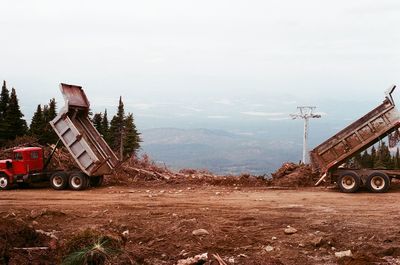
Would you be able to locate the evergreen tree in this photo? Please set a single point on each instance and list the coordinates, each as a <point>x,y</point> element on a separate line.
<point>45,113</point>
<point>106,127</point>
<point>49,113</point>
<point>37,124</point>
<point>386,156</point>
<point>396,162</point>
<point>97,119</point>
<point>14,118</point>
<point>123,134</point>
<point>132,137</point>
<point>117,129</point>
<point>40,125</point>
<point>383,158</point>
<point>366,160</point>
<point>52,110</point>
<point>4,101</point>
<point>373,156</point>
<point>357,161</point>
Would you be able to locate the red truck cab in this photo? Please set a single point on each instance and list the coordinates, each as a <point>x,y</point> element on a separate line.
<point>25,161</point>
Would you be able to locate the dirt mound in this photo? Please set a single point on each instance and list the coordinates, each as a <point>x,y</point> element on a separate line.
<point>20,243</point>
<point>138,169</point>
<point>145,171</point>
<point>294,175</point>
<point>205,178</point>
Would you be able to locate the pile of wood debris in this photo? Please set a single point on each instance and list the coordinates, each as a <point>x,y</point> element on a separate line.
<point>135,169</point>
<point>294,175</point>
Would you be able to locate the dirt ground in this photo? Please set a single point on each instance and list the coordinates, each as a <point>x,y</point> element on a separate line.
<point>245,225</point>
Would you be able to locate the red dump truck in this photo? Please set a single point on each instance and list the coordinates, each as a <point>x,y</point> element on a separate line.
<point>328,158</point>
<point>84,143</point>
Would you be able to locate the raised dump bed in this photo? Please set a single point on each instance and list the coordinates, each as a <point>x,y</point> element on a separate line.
<point>355,138</point>
<point>74,128</point>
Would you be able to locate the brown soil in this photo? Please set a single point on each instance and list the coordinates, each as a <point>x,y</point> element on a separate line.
<point>16,235</point>
<point>241,222</point>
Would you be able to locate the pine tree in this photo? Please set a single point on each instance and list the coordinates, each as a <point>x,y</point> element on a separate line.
<point>14,118</point>
<point>383,157</point>
<point>366,160</point>
<point>123,134</point>
<point>117,129</point>
<point>37,124</point>
<point>357,161</point>
<point>4,101</point>
<point>52,110</point>
<point>49,113</point>
<point>106,127</point>
<point>396,159</point>
<point>386,156</point>
<point>97,119</point>
<point>373,156</point>
<point>132,137</point>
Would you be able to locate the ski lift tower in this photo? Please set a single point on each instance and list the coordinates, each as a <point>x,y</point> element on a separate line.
<point>306,113</point>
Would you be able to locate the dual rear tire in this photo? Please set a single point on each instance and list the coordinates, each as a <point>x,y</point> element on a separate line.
<point>350,182</point>
<point>75,181</point>
<point>59,181</point>
<point>78,181</point>
<point>378,182</point>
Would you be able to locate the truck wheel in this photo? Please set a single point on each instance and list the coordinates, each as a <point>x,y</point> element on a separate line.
<point>4,182</point>
<point>378,182</point>
<point>349,182</point>
<point>78,181</point>
<point>96,181</point>
<point>59,181</point>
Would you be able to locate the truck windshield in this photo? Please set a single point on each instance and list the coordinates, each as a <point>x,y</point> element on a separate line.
<point>34,155</point>
<point>17,156</point>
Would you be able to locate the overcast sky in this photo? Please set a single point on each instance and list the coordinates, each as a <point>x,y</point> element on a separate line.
<point>202,60</point>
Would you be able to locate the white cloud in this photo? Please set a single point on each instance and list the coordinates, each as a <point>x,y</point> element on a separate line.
<point>193,109</point>
<point>289,102</point>
<point>217,117</point>
<point>279,119</point>
<point>141,106</point>
<point>245,133</point>
<point>224,101</point>
<point>257,105</point>
<point>143,115</point>
<point>182,115</point>
<point>263,114</point>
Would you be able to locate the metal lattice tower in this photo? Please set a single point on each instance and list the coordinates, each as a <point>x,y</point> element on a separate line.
<point>305,113</point>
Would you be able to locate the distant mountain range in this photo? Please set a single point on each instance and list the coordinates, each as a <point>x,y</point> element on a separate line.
<point>218,151</point>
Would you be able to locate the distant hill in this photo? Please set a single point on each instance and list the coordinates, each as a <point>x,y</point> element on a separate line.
<point>219,151</point>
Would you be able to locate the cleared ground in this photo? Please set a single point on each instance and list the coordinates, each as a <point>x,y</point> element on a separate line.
<point>245,225</point>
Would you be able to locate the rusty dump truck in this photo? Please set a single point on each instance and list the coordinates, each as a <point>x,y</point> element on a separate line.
<point>328,157</point>
<point>84,143</point>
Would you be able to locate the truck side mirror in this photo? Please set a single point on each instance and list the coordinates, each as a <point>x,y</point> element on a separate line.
<point>8,164</point>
